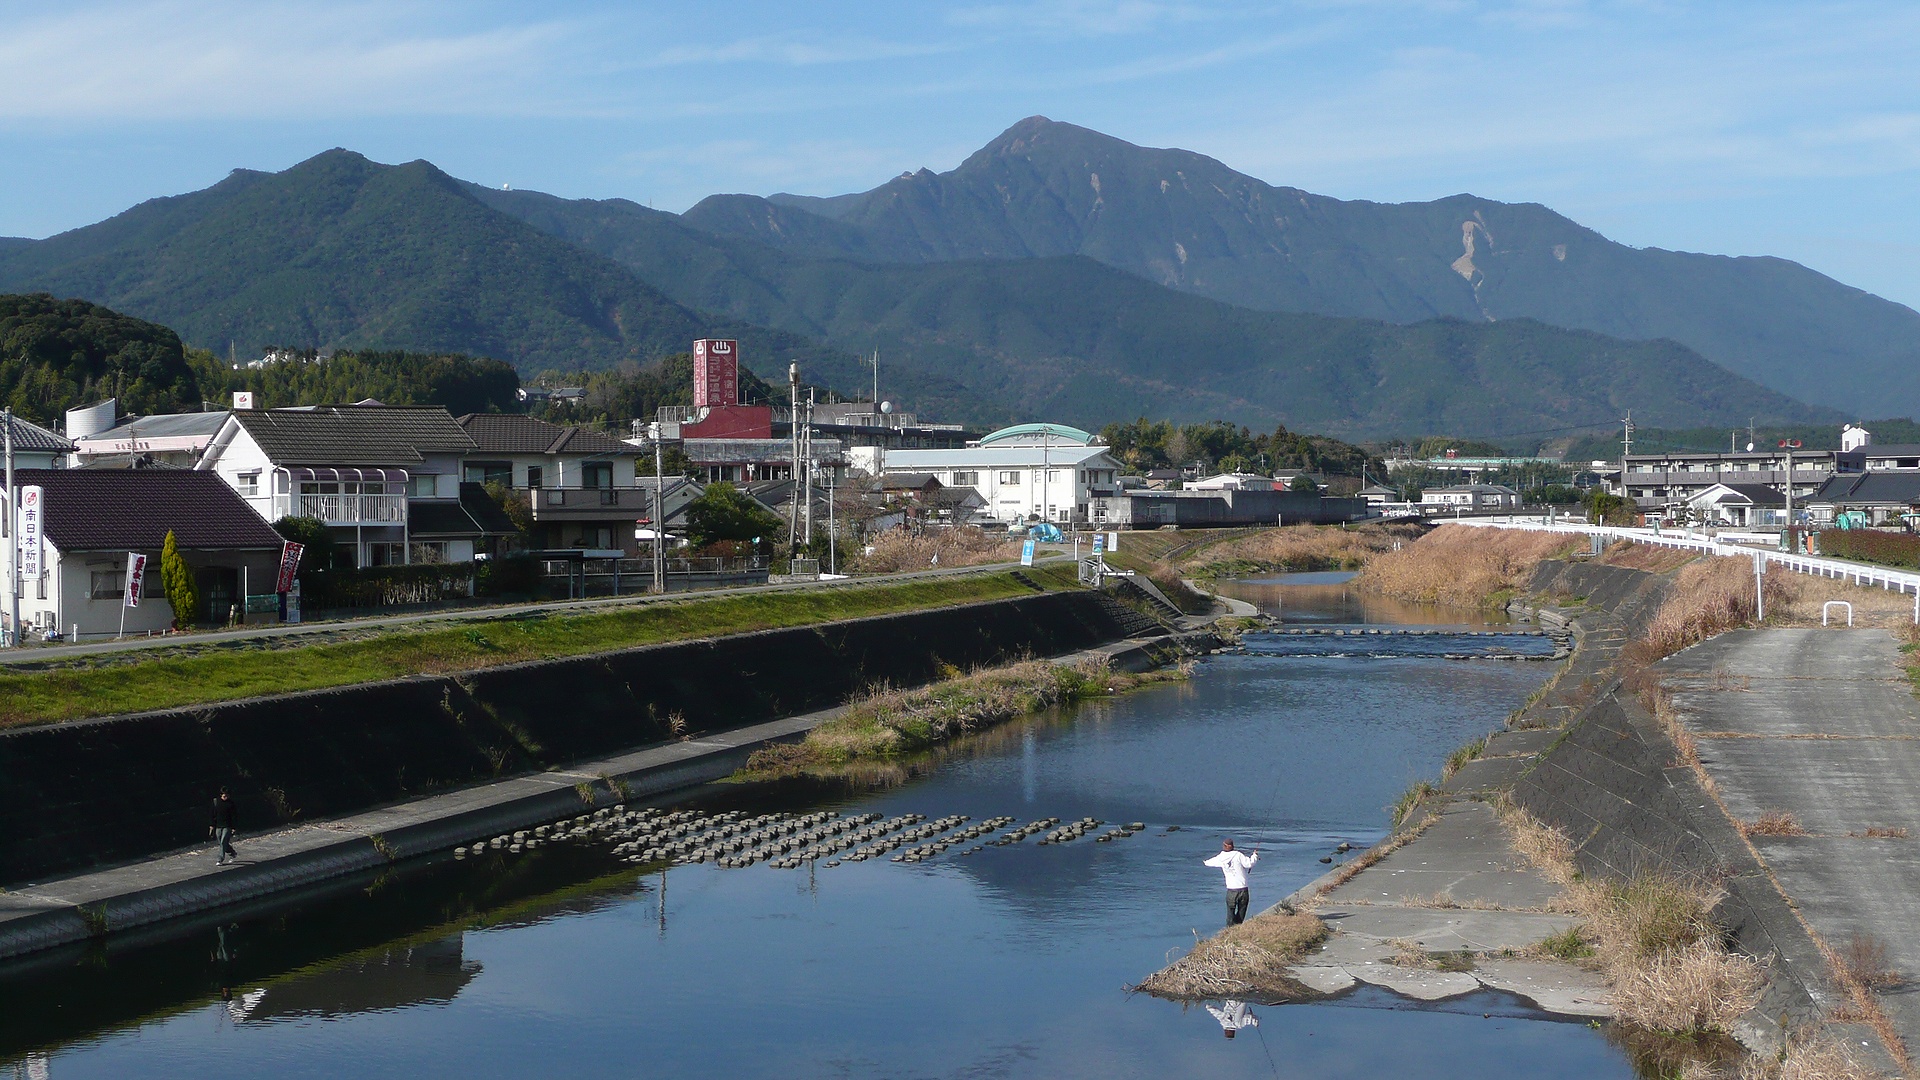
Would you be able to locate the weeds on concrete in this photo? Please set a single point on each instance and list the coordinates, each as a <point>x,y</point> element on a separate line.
<point>1253,956</point>
<point>1817,1058</point>
<point>1773,823</point>
<point>1665,958</point>
<point>1863,960</point>
<point>1569,945</point>
<point>1462,755</point>
<point>1880,832</point>
<point>1410,800</point>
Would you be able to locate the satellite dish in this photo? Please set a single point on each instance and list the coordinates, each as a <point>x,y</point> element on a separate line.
<point>886,406</point>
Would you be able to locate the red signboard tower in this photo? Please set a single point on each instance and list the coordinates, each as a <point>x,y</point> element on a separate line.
<point>716,373</point>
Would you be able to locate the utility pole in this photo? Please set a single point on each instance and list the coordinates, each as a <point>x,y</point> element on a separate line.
<point>876,383</point>
<point>833,533</point>
<point>793,428</point>
<point>808,492</point>
<point>659,518</point>
<point>1046,469</point>
<point>12,543</point>
<point>1789,445</point>
<point>1626,451</point>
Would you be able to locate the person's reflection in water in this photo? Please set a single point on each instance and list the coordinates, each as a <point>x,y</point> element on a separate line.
<point>1233,1015</point>
<point>239,1008</point>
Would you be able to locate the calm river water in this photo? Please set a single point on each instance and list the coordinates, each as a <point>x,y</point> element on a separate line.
<point>1010,962</point>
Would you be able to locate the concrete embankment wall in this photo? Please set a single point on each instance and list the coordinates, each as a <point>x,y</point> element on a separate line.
<point>102,791</point>
<point>1616,783</point>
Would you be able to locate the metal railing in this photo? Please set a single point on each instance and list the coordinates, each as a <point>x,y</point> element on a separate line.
<point>345,509</point>
<point>1863,574</point>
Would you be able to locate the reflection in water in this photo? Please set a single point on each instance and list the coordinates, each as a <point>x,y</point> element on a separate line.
<point>1330,597</point>
<point>425,974</point>
<point>1233,1015</point>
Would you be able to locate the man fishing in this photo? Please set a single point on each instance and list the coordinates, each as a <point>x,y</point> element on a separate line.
<point>1234,866</point>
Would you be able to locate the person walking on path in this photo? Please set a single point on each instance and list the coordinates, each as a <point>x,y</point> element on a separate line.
<point>1234,866</point>
<point>222,827</point>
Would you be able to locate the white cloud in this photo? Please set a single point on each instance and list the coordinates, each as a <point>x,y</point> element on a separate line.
<point>143,61</point>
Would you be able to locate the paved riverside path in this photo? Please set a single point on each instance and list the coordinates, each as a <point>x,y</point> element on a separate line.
<point>1823,724</point>
<point>41,654</point>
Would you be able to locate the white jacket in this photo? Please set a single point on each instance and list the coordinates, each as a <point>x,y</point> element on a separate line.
<point>1234,864</point>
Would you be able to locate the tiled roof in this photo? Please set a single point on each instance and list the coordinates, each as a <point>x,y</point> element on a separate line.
<point>510,433</point>
<point>1902,488</point>
<point>34,439</point>
<point>353,434</point>
<point>132,509</point>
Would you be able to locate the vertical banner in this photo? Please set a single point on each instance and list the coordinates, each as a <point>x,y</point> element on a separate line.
<point>1099,544</point>
<point>1113,541</point>
<point>31,512</point>
<point>136,577</point>
<point>1026,552</point>
<point>290,553</point>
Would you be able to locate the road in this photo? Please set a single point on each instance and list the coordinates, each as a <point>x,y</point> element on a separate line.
<point>41,654</point>
<point>1822,724</point>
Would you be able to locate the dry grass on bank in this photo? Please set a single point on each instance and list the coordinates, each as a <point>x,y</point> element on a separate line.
<point>1463,566</point>
<point>1654,560</point>
<point>898,550</point>
<point>889,723</point>
<point>1239,959</point>
<point>1296,548</point>
<point>1664,956</point>
<point>1816,1058</point>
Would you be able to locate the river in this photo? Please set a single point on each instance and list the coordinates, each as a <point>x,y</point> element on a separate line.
<point>1006,962</point>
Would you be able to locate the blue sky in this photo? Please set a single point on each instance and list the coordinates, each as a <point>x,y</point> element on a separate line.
<point>1740,128</point>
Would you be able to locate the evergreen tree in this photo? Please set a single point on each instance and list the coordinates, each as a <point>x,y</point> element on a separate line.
<point>177,577</point>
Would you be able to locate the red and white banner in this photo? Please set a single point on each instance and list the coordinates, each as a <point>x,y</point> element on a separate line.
<point>290,553</point>
<point>32,513</point>
<point>136,577</point>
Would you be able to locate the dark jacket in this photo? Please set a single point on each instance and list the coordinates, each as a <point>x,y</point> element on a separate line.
<point>223,813</point>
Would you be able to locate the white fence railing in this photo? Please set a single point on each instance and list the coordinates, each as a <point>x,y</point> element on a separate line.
<point>1899,581</point>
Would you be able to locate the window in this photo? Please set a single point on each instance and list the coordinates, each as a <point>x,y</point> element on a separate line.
<point>424,487</point>
<point>1010,477</point>
<point>596,474</point>
<point>108,585</point>
<point>248,484</point>
<point>966,479</point>
<point>429,551</point>
<point>1053,476</point>
<point>536,475</point>
<point>489,472</point>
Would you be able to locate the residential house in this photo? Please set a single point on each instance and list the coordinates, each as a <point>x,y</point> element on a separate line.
<point>1471,497</point>
<point>92,519</point>
<point>366,471</point>
<point>1378,495</point>
<point>1884,498</point>
<point>1046,471</point>
<point>1740,505</point>
<point>1672,478</point>
<point>34,447</point>
<point>580,484</point>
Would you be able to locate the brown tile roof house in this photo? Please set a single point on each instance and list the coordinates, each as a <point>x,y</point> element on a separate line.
<point>31,438</point>
<point>508,433</point>
<point>132,509</point>
<point>353,434</point>
<point>94,517</point>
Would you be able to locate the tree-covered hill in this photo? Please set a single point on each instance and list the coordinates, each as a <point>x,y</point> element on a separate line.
<point>1071,338</point>
<point>1189,222</point>
<point>341,252</point>
<point>59,354</point>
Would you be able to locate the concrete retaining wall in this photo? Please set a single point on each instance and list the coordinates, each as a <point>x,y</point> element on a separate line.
<point>1615,782</point>
<point>102,791</point>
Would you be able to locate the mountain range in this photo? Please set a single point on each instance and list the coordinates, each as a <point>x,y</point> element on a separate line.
<point>1057,272</point>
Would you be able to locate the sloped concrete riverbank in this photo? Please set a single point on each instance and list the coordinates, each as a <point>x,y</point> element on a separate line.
<point>59,909</point>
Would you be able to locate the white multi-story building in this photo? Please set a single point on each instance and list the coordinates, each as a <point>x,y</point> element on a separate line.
<point>365,471</point>
<point>1044,471</point>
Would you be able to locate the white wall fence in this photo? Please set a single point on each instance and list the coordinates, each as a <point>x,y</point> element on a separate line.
<point>1899,581</point>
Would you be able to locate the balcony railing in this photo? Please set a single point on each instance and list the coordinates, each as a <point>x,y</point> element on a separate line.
<point>345,509</point>
<point>575,501</point>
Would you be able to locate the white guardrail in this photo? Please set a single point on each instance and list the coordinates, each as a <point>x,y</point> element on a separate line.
<point>1899,581</point>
